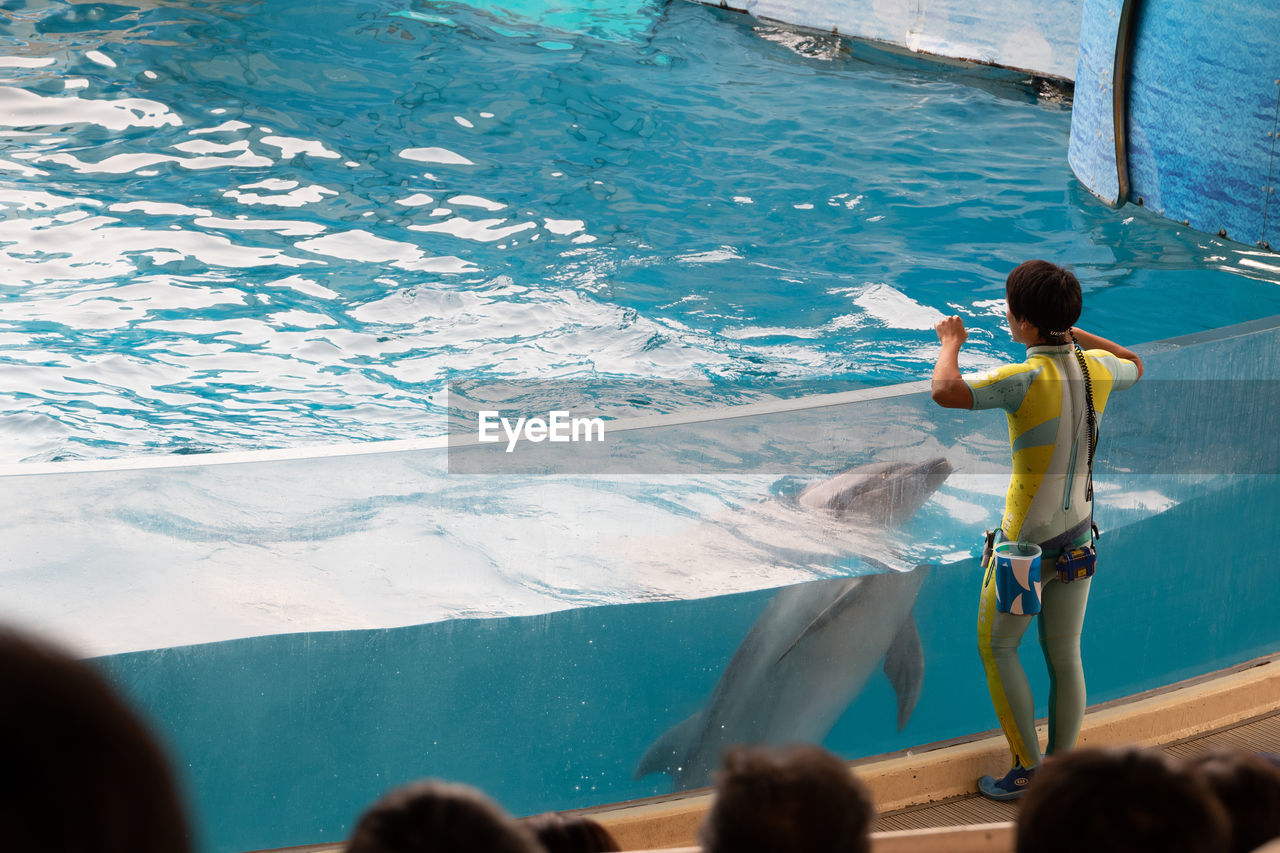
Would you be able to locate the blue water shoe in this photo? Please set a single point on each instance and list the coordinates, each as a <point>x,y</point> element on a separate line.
<point>1013,785</point>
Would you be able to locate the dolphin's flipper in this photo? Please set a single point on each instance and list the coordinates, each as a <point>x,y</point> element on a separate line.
<point>671,750</point>
<point>840,599</point>
<point>904,664</point>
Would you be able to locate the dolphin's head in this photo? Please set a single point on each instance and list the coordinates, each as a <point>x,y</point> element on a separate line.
<point>886,493</point>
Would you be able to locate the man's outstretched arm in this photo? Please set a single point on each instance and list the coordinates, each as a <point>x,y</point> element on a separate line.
<point>1091,341</point>
<point>949,389</point>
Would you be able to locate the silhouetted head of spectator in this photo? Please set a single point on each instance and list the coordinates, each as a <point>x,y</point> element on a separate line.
<point>1119,801</point>
<point>80,772</point>
<point>783,800</point>
<point>430,816</point>
<point>1249,788</point>
<point>570,834</point>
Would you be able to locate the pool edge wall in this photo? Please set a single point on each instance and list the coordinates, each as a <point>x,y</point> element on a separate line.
<point>1038,37</point>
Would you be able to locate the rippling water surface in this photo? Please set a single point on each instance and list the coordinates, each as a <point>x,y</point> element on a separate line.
<point>262,224</point>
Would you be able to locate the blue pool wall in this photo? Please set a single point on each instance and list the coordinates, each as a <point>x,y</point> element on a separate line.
<point>1038,36</point>
<point>1203,94</point>
<point>285,739</point>
<point>282,739</point>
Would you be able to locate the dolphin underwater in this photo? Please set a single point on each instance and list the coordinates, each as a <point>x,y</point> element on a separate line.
<point>815,645</point>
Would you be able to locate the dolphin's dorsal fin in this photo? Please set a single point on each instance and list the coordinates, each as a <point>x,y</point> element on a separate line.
<point>904,664</point>
<point>671,750</point>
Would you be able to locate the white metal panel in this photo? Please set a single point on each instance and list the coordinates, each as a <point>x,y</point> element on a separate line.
<point>1040,36</point>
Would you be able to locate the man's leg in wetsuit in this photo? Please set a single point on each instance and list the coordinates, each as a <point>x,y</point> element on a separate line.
<point>1061,622</point>
<point>998,637</point>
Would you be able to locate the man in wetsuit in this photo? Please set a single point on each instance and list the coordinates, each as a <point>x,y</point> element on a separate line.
<point>1049,501</point>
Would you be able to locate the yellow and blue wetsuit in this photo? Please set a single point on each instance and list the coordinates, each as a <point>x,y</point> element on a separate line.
<point>1046,503</point>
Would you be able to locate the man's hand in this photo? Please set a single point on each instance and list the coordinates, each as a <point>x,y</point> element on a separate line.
<point>951,330</point>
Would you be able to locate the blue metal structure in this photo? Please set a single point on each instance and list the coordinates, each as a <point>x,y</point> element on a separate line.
<point>1176,108</point>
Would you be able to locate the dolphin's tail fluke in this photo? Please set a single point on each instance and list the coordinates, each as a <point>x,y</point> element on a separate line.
<point>669,753</point>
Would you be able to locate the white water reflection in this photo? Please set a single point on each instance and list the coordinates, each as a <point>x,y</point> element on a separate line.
<point>283,193</point>
<point>436,155</point>
<point>20,108</point>
<point>362,246</point>
<point>482,230</point>
<point>98,247</point>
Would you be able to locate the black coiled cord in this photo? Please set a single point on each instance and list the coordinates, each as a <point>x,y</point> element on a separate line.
<point>1092,415</point>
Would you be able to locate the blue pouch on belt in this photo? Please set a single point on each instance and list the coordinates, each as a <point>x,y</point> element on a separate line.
<point>1077,564</point>
<point>1017,578</point>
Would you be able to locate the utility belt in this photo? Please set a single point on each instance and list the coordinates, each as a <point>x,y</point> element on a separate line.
<point>1017,566</point>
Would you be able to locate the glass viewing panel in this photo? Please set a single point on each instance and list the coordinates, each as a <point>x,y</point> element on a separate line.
<point>571,624</point>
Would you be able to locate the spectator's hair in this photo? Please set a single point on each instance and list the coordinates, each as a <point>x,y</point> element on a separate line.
<point>81,770</point>
<point>1249,788</point>
<point>430,816</point>
<point>780,800</point>
<point>1118,801</point>
<point>1047,296</point>
<point>559,833</point>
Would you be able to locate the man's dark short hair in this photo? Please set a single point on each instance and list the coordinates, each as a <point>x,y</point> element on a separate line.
<point>1046,295</point>
<point>780,800</point>
<point>1249,788</point>
<point>1119,801</point>
<point>429,816</point>
<point>81,770</point>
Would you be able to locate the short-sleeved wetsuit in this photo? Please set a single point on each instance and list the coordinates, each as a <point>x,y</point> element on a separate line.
<point>1046,503</point>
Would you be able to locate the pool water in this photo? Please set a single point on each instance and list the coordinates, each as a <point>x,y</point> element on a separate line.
<point>278,224</point>
<point>272,224</point>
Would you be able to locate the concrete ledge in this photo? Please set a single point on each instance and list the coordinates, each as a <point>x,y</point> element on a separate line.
<point>655,824</point>
<point>977,838</point>
<point>939,771</point>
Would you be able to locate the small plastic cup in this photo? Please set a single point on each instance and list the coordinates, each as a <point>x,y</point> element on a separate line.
<point>1018,578</point>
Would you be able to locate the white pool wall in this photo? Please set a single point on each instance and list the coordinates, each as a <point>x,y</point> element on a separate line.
<point>1038,36</point>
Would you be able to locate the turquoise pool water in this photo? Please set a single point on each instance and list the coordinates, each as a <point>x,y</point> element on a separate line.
<point>257,225</point>
<point>269,224</point>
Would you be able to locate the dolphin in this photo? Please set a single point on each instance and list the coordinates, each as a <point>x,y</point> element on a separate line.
<point>815,645</point>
